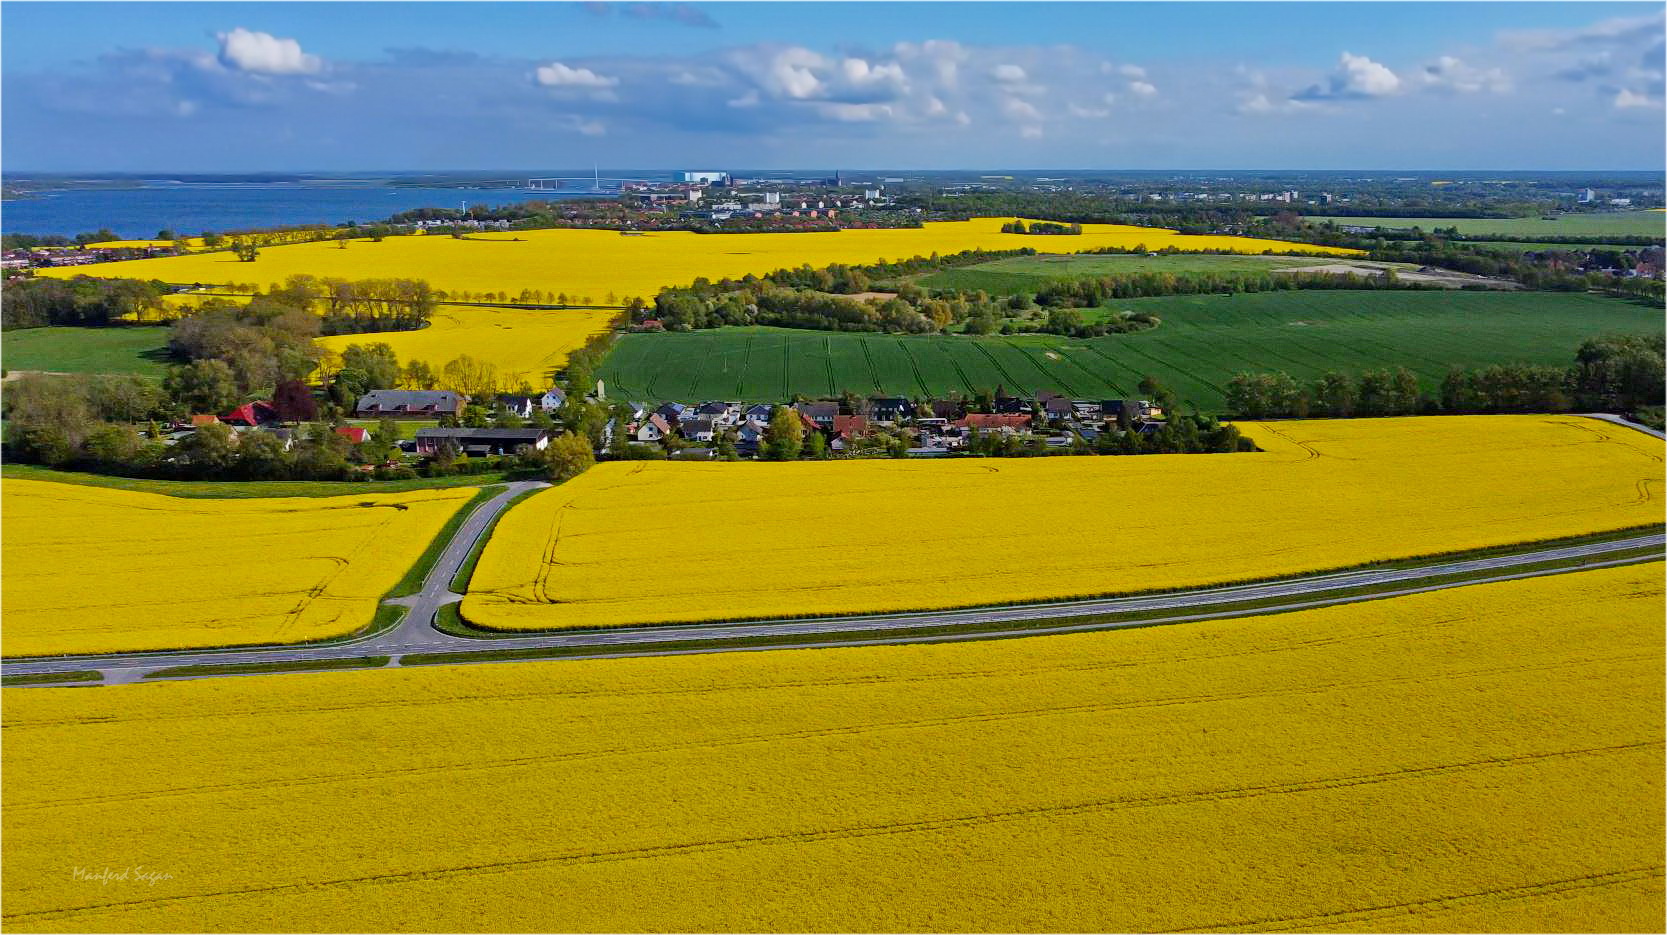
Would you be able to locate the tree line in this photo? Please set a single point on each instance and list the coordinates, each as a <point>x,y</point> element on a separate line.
<point>82,301</point>
<point>1622,373</point>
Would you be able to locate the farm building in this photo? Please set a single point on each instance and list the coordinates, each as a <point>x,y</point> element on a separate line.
<point>482,441</point>
<point>412,404</point>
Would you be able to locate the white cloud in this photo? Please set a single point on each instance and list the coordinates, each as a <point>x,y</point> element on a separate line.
<point>749,99</point>
<point>860,72</point>
<point>557,75</point>
<point>1031,133</point>
<point>185,108</point>
<point>1143,89</point>
<point>1095,113</point>
<point>265,54</point>
<point>1134,72</point>
<point>1356,77</point>
<point>856,113</point>
<point>789,72</point>
<point>590,128</point>
<point>935,107</point>
<point>963,119</point>
<point>1008,74</point>
<point>1450,74</point>
<point>1016,109</point>
<point>943,55</point>
<point>1627,98</point>
<point>1620,29</point>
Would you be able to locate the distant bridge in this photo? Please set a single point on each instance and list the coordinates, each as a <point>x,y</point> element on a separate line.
<point>589,183</point>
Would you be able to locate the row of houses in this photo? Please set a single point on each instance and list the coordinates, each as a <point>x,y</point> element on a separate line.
<point>934,428</point>
<point>435,404</point>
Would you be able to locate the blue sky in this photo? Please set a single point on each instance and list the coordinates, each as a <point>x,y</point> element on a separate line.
<point>345,86</point>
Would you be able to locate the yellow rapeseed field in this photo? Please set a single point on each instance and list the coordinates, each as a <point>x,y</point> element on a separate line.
<point>597,263</point>
<point>1480,759</point>
<point>659,542</point>
<point>91,570</point>
<point>523,344</point>
<point>600,266</point>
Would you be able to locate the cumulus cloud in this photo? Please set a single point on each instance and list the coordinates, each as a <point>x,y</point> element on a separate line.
<point>557,75</point>
<point>860,72</point>
<point>1008,74</point>
<point>1627,98</point>
<point>1356,77</point>
<point>1134,72</point>
<point>1624,29</point>
<point>856,113</point>
<point>1143,89</point>
<point>789,72</point>
<point>943,56</point>
<point>1450,74</point>
<point>265,54</point>
<point>1017,109</point>
<point>1087,112</point>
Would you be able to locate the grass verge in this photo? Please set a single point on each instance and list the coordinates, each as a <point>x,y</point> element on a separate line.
<point>460,581</point>
<point>413,580</point>
<point>254,668</point>
<point>240,489</point>
<point>47,678</point>
<point>1013,629</point>
<point>469,629</point>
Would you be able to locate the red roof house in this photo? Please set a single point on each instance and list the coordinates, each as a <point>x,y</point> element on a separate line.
<point>198,421</point>
<point>986,421</point>
<point>850,426</point>
<point>355,434</point>
<point>251,414</point>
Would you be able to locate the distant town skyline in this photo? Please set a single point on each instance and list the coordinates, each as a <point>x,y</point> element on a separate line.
<point>246,87</point>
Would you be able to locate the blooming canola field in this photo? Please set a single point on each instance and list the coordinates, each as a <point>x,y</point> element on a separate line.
<point>599,263</point>
<point>601,267</point>
<point>523,344</point>
<point>761,540</point>
<point>1486,758</point>
<point>94,570</point>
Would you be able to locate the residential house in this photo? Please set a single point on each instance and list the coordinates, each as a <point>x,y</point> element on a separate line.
<point>408,404</point>
<point>656,428</point>
<point>890,408</point>
<point>1059,408</point>
<point>671,412</point>
<point>482,441</point>
<point>821,415</point>
<point>1008,405</point>
<point>749,438</point>
<point>760,413</point>
<point>251,414</point>
<point>948,409</point>
<point>520,405</point>
<point>285,437</point>
<point>358,435</point>
<point>721,413</point>
<point>699,429</point>
<point>849,427</point>
<point>200,420</point>
<point>1005,422</point>
<point>552,399</point>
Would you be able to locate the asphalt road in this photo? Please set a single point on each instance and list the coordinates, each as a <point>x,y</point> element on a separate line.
<point>416,633</point>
